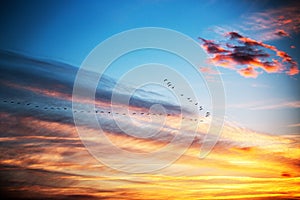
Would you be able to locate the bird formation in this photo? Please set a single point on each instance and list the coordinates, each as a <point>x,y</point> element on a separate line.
<point>51,107</point>
<point>169,84</point>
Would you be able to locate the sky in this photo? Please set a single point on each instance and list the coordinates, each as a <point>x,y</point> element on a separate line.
<point>252,46</point>
<point>69,32</point>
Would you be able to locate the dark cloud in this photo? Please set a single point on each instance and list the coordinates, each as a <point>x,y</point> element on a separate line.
<point>281,33</point>
<point>234,35</point>
<point>211,47</point>
<point>246,56</point>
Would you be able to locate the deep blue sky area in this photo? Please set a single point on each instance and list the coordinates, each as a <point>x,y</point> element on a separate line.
<point>67,31</point>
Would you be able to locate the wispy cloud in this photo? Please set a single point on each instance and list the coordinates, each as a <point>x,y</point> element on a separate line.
<point>294,125</point>
<point>266,105</point>
<point>274,23</point>
<point>290,104</point>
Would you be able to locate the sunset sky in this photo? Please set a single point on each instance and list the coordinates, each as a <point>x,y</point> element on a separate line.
<point>252,45</point>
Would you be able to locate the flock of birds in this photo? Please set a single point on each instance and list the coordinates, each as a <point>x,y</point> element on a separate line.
<point>170,85</point>
<point>52,107</point>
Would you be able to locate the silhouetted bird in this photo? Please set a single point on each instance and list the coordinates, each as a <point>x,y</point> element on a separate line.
<point>207,114</point>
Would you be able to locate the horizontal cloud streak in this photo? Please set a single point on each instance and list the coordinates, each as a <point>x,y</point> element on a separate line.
<point>291,104</point>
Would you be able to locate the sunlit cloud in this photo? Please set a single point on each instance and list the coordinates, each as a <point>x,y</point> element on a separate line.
<point>249,72</point>
<point>282,33</point>
<point>241,158</point>
<point>247,56</point>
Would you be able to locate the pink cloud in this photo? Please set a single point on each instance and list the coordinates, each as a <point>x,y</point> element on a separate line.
<point>246,56</point>
<point>274,23</point>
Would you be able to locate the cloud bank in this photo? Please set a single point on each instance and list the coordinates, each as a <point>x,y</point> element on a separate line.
<point>42,156</point>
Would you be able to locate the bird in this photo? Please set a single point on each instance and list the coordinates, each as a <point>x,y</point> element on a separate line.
<point>200,108</point>
<point>165,80</point>
<point>207,114</point>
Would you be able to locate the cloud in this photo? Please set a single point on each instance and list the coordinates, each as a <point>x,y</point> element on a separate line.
<point>247,56</point>
<point>274,23</point>
<point>266,105</point>
<point>248,72</point>
<point>294,125</point>
<point>211,47</point>
<point>290,104</point>
<point>209,70</point>
<point>282,33</point>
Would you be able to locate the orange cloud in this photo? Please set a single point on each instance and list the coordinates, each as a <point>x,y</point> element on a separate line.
<point>250,53</point>
<point>52,163</point>
<point>282,33</point>
<point>248,72</point>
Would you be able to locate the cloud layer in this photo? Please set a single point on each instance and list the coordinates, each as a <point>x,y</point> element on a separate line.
<point>42,157</point>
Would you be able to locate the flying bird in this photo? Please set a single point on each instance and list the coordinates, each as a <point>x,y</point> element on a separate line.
<point>207,114</point>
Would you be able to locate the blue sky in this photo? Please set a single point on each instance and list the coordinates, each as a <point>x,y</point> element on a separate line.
<point>67,31</point>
